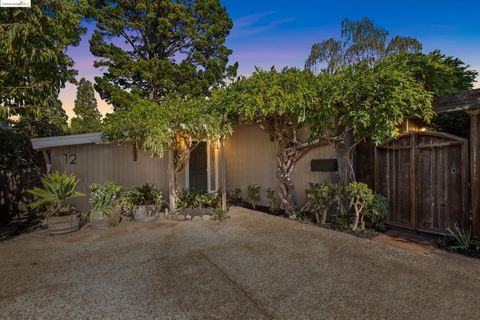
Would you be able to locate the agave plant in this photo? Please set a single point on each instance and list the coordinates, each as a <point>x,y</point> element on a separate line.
<point>462,239</point>
<point>55,191</point>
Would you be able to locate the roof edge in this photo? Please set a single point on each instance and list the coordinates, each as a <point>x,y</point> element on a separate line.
<point>68,140</point>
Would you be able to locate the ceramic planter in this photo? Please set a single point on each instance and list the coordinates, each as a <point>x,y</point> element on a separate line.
<point>145,213</point>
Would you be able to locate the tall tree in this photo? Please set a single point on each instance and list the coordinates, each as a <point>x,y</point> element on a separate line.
<point>34,65</point>
<point>157,47</point>
<point>87,117</point>
<point>361,41</point>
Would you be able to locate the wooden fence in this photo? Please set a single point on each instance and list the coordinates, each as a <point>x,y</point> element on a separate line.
<point>14,199</point>
<point>425,177</point>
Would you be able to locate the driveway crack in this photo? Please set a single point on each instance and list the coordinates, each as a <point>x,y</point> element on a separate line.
<point>238,287</point>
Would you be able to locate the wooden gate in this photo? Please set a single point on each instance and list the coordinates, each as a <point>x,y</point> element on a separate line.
<point>424,175</point>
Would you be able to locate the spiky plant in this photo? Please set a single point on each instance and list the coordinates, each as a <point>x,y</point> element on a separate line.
<point>56,189</point>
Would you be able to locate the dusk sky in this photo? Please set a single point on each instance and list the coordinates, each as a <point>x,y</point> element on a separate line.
<point>281,33</point>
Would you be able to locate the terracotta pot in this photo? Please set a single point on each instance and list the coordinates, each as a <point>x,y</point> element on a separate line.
<point>145,213</point>
<point>105,219</point>
<point>63,224</point>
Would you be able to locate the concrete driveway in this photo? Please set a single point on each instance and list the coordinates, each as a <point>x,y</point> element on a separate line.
<point>253,266</point>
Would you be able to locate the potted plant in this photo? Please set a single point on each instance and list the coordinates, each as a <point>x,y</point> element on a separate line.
<point>143,202</point>
<point>107,207</point>
<point>56,189</point>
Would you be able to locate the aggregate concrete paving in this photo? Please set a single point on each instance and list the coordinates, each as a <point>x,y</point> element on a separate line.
<point>252,266</point>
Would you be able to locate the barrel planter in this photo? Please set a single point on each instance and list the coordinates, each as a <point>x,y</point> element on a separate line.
<point>145,213</point>
<point>105,219</point>
<point>63,224</point>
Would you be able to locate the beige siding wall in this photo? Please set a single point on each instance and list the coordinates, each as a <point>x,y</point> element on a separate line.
<point>251,158</point>
<point>110,162</point>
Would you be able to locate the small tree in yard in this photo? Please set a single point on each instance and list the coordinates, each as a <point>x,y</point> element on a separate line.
<point>167,127</point>
<point>360,196</point>
<point>322,196</point>
<point>279,101</point>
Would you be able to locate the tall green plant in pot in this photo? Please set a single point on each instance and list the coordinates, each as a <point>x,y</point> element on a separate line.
<point>106,201</point>
<point>52,199</point>
<point>143,202</point>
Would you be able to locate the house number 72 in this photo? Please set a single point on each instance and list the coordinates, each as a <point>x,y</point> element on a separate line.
<point>70,158</point>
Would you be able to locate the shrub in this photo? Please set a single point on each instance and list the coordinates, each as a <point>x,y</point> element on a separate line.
<point>462,240</point>
<point>272,198</point>
<point>106,196</point>
<point>360,197</point>
<point>376,211</point>
<point>191,198</point>
<point>147,194</point>
<point>220,214</point>
<point>55,191</point>
<point>253,194</point>
<point>322,196</point>
<point>235,197</point>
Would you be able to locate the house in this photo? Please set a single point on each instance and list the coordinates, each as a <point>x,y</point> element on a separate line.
<point>431,179</point>
<point>250,158</point>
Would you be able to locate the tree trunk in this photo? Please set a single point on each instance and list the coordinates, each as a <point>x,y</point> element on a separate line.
<point>356,219</point>
<point>344,151</point>
<point>344,155</point>
<point>317,217</point>
<point>285,165</point>
<point>172,188</point>
<point>324,217</point>
<point>224,175</point>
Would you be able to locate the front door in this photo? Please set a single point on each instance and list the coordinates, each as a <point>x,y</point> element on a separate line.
<point>198,168</point>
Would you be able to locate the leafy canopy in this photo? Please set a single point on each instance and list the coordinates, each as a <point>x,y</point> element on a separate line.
<point>155,128</point>
<point>440,74</point>
<point>155,48</point>
<point>322,195</point>
<point>368,101</point>
<point>285,95</point>
<point>361,41</point>
<point>34,65</point>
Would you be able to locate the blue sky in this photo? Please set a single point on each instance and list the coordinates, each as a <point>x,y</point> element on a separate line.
<point>280,33</point>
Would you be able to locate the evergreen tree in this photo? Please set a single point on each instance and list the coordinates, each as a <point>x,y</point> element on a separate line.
<point>166,47</point>
<point>87,117</point>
